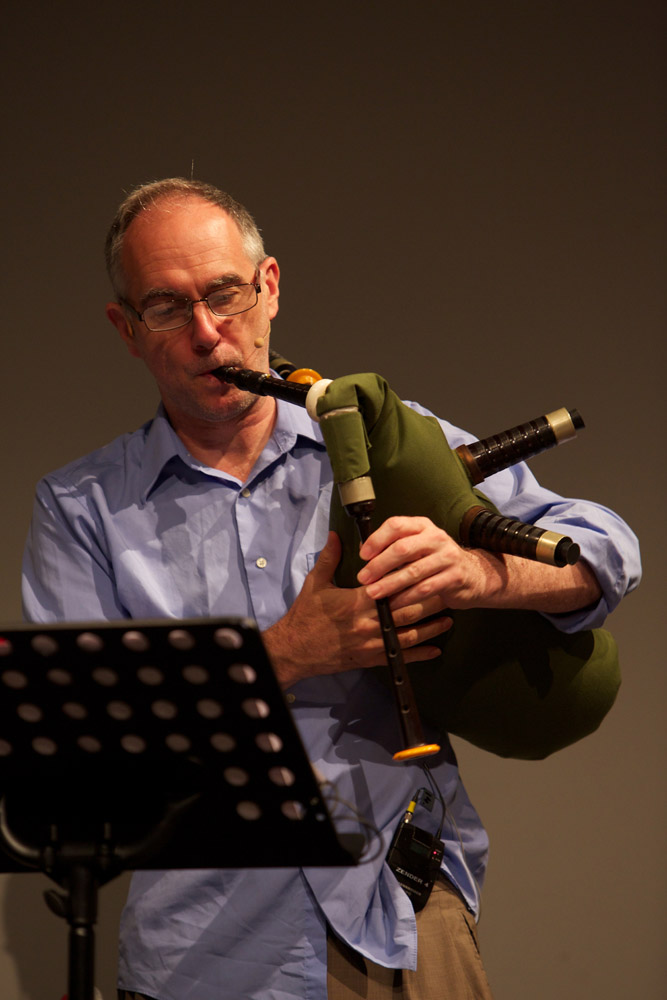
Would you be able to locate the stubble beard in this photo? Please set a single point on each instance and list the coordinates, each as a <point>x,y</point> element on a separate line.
<point>229,404</point>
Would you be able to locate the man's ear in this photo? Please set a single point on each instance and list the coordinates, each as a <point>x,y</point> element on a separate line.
<point>272,282</point>
<point>117,315</point>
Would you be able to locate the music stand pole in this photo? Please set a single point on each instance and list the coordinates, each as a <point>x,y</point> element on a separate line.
<point>80,910</point>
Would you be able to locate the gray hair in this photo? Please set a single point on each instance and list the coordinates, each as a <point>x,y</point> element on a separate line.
<point>145,196</point>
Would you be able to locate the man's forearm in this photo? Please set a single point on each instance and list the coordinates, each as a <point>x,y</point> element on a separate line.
<point>514,582</point>
<point>411,559</point>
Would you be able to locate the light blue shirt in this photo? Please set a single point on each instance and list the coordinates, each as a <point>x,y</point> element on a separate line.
<point>141,529</point>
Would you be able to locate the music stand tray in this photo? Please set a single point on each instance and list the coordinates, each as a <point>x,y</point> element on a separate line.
<point>149,744</point>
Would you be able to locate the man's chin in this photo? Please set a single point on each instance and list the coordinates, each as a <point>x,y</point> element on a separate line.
<point>229,405</point>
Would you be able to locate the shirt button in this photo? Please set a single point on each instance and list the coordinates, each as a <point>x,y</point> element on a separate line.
<point>245,492</point>
<point>261,562</point>
<point>290,698</point>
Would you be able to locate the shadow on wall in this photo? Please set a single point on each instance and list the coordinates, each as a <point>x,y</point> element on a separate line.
<point>33,965</point>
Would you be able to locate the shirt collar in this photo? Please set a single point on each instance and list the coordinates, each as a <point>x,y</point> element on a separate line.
<point>162,443</point>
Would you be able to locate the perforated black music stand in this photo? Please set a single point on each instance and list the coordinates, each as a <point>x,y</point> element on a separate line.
<point>152,745</point>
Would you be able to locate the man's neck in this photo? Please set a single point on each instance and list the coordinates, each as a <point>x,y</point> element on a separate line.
<point>232,445</point>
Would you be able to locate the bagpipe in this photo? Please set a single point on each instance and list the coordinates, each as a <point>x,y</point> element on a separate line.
<point>507,681</point>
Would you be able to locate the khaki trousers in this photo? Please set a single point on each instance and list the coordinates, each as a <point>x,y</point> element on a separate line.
<point>449,965</point>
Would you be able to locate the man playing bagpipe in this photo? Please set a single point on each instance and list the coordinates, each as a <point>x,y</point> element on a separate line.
<point>220,505</point>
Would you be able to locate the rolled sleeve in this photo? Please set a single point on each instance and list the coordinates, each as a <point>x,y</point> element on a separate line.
<point>606,542</point>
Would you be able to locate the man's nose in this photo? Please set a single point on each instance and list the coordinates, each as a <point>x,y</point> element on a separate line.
<point>205,333</point>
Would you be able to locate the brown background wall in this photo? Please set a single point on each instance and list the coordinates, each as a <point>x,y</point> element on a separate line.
<point>467,198</point>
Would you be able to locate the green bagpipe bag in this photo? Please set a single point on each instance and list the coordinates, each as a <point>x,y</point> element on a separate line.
<point>507,681</point>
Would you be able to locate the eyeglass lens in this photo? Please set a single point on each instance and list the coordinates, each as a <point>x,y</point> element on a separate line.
<point>226,301</point>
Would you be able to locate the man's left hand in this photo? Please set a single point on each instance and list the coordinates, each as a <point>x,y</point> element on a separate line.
<point>412,561</point>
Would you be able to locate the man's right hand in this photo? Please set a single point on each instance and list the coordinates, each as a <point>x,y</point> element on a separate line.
<point>330,629</point>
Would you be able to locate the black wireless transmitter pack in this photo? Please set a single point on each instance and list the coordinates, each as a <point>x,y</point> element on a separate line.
<point>414,857</point>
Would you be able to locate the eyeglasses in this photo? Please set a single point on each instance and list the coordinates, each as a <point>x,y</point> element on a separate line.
<point>171,314</point>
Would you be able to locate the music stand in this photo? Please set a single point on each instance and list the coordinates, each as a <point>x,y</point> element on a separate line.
<point>152,745</point>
